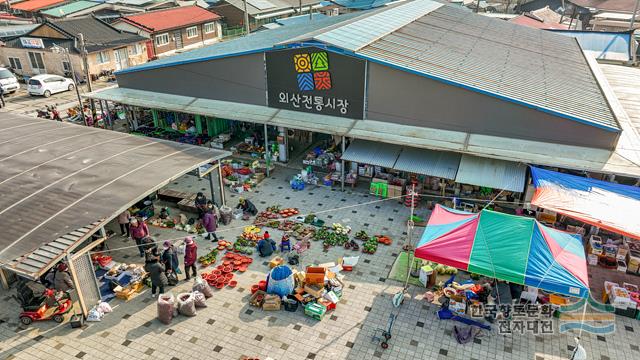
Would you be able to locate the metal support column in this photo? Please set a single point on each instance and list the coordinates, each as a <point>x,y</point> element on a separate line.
<point>111,120</point>
<point>222,199</point>
<point>213,193</point>
<point>342,164</point>
<point>267,156</point>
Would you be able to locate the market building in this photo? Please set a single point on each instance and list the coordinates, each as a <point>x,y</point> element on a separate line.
<point>175,29</point>
<point>108,48</point>
<point>396,105</point>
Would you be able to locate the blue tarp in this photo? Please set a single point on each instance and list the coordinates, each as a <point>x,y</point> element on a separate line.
<point>607,205</point>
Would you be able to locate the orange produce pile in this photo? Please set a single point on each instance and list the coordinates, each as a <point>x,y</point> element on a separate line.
<point>289,212</point>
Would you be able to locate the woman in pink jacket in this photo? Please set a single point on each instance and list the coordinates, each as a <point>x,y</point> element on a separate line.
<point>190,256</point>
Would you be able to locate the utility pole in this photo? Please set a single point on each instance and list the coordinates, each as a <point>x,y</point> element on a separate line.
<point>477,6</point>
<point>57,48</point>
<point>85,63</point>
<point>246,18</point>
<point>300,7</point>
<point>633,16</point>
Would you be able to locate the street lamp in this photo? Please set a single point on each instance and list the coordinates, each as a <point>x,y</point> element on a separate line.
<point>61,50</point>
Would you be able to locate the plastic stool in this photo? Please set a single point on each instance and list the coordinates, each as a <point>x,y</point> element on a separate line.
<point>285,244</point>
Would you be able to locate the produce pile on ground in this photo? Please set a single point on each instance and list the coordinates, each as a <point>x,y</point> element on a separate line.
<point>208,259</point>
<point>370,246</point>
<point>336,235</point>
<point>223,244</point>
<point>441,269</point>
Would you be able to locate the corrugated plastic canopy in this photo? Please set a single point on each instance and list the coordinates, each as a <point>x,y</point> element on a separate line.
<point>506,247</point>
<point>57,177</point>
<point>610,206</point>
<point>428,162</point>
<point>497,174</point>
<point>372,153</point>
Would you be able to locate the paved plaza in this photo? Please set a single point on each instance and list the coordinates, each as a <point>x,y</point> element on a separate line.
<point>229,328</point>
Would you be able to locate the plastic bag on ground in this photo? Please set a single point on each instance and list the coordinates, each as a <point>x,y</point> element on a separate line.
<point>186,304</point>
<point>105,307</point>
<point>202,286</point>
<point>95,315</point>
<point>199,299</point>
<point>165,308</point>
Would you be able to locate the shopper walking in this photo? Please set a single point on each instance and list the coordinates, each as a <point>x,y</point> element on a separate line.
<point>1,97</point>
<point>157,274</point>
<point>190,256</point>
<point>123,220</point>
<point>210,223</point>
<point>139,231</point>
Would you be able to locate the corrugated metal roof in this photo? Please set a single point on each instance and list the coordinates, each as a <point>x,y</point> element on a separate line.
<point>372,153</point>
<point>517,63</point>
<point>602,45</point>
<point>428,162</point>
<point>56,177</point>
<point>70,8</point>
<point>359,33</point>
<point>46,256</point>
<point>497,174</point>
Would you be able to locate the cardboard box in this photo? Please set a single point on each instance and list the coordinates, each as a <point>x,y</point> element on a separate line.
<point>315,290</point>
<point>457,307</point>
<point>315,311</point>
<point>271,303</point>
<point>331,296</point>
<point>276,262</point>
<point>300,278</point>
<point>592,259</point>
<point>326,303</point>
<point>633,264</point>
<point>315,275</point>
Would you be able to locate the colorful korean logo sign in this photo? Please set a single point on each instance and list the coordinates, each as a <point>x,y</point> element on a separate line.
<point>316,81</point>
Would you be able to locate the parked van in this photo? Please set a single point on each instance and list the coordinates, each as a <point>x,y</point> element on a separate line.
<point>8,81</point>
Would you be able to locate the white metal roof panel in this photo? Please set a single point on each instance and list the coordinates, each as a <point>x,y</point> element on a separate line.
<point>428,162</point>
<point>372,153</point>
<point>493,173</point>
<point>362,32</point>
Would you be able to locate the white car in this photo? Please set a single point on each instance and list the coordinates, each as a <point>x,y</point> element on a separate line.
<point>8,81</point>
<point>46,85</point>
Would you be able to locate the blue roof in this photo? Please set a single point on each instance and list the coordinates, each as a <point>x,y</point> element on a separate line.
<point>300,19</point>
<point>255,42</point>
<point>602,45</point>
<point>361,4</point>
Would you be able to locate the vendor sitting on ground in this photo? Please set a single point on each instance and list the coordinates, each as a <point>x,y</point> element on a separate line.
<point>266,246</point>
<point>247,207</point>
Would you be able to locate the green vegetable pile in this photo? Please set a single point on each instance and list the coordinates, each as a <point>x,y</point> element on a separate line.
<point>370,246</point>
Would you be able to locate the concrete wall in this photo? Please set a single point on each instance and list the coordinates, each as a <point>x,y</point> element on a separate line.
<point>400,97</point>
<point>239,79</point>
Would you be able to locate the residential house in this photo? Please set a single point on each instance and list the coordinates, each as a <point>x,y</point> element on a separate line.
<point>174,29</point>
<point>544,18</point>
<point>261,11</point>
<point>607,15</point>
<point>31,8</point>
<point>108,48</point>
<point>108,10</point>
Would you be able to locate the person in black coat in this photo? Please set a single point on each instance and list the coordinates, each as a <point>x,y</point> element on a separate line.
<point>157,274</point>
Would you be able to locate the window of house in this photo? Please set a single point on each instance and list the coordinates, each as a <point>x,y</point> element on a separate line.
<point>192,32</point>
<point>66,67</point>
<point>162,39</point>
<point>136,49</point>
<point>209,28</point>
<point>15,63</point>
<point>37,63</point>
<point>102,57</point>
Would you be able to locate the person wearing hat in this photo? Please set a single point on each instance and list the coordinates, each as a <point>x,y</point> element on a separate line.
<point>138,230</point>
<point>247,206</point>
<point>170,257</point>
<point>190,256</point>
<point>62,279</point>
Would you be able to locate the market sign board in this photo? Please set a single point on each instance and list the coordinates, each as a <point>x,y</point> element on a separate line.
<point>316,81</point>
<point>31,43</point>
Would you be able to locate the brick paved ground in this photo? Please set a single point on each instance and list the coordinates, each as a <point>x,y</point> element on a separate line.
<point>230,329</point>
